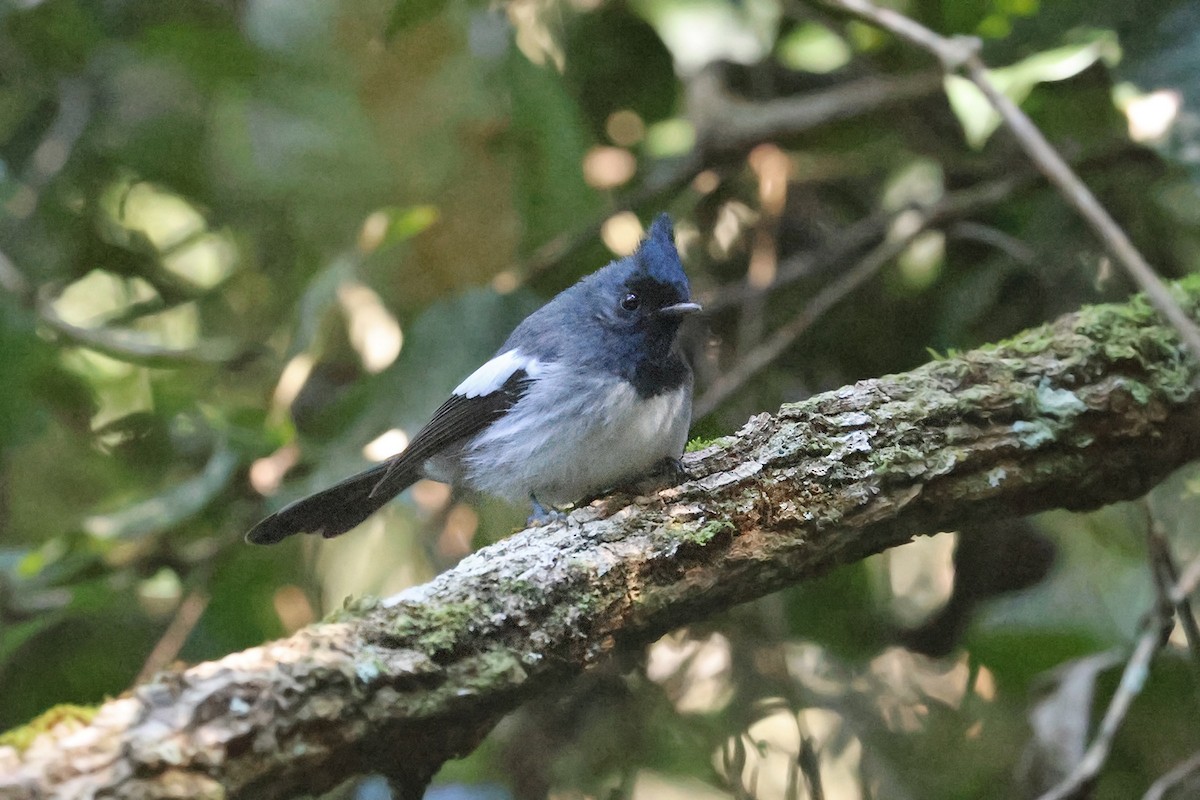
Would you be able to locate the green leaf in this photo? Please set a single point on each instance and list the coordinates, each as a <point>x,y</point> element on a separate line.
<point>170,507</point>
<point>408,14</point>
<point>976,114</point>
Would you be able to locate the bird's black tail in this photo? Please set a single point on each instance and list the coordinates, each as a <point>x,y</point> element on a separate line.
<point>335,510</point>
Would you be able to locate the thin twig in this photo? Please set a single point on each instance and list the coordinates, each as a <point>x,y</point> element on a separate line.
<point>1165,572</point>
<point>1175,776</point>
<point>844,243</point>
<point>1154,635</point>
<point>993,237</point>
<point>900,231</point>
<point>811,768</point>
<point>126,345</point>
<point>1133,678</point>
<point>961,54</point>
<point>865,231</point>
<point>725,123</point>
<point>750,364</point>
<point>1189,579</point>
<point>186,616</point>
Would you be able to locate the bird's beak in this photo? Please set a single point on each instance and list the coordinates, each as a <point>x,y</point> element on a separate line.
<point>680,309</point>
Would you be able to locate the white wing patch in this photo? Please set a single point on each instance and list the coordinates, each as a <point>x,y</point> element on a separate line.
<point>492,375</point>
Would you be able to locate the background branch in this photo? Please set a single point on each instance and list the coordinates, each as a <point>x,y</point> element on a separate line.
<point>961,53</point>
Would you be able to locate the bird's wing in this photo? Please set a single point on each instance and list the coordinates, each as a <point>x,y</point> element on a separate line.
<point>478,401</point>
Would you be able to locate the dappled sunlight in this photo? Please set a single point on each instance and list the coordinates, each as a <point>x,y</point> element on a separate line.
<point>292,379</point>
<point>165,218</point>
<point>625,127</point>
<point>608,167</point>
<point>1151,115</point>
<point>812,47</point>
<point>374,332</point>
<point>98,295</point>
<point>910,681</point>
<point>430,496</point>
<point>921,576</point>
<point>694,673</point>
<point>387,444</point>
<point>670,137</point>
<point>205,261</point>
<point>458,532</point>
<point>651,785</point>
<point>506,282</point>
<point>728,232</point>
<point>535,22</point>
<point>292,607</point>
<point>119,388</point>
<point>621,233</point>
<point>380,558</point>
<point>699,33</point>
<point>771,768</point>
<point>922,260</point>
<point>159,594</point>
<point>267,473</point>
<point>175,229</point>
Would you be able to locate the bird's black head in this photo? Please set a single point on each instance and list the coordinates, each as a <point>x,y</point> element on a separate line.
<point>648,291</point>
<point>640,301</point>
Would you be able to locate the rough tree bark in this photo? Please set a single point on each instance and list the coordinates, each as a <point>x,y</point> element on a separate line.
<point>1093,408</point>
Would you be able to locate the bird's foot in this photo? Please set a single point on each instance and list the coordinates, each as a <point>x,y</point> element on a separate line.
<point>664,474</point>
<point>542,516</point>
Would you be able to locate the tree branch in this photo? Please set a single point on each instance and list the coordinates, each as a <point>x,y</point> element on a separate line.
<point>961,54</point>
<point>1091,409</point>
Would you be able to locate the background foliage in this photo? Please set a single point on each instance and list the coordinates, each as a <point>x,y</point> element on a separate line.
<point>247,245</point>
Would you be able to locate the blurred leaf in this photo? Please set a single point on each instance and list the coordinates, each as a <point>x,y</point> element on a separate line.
<point>410,13</point>
<point>58,33</point>
<point>839,611</point>
<point>306,143</point>
<point>549,142</point>
<point>401,223</point>
<point>1172,62</point>
<point>975,113</point>
<point>26,362</point>
<point>170,507</point>
<point>618,62</point>
<point>1062,721</point>
<point>207,53</point>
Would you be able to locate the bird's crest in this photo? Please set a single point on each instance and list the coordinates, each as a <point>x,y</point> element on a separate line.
<point>657,257</point>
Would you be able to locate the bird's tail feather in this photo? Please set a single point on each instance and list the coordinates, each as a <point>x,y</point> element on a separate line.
<point>335,510</point>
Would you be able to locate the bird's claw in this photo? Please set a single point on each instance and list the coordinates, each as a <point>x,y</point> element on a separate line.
<point>542,516</point>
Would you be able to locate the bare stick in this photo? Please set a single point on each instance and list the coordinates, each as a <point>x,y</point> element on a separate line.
<point>1177,775</point>
<point>167,649</point>
<point>1172,594</point>
<point>866,231</point>
<point>961,54</point>
<point>1165,572</point>
<point>725,123</point>
<point>782,338</point>
<point>903,228</point>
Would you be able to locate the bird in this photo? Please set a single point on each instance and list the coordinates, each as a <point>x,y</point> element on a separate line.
<point>590,392</point>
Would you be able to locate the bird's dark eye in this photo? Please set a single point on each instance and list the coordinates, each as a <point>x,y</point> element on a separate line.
<point>631,302</point>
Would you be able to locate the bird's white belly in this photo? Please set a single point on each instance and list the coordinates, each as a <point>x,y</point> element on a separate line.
<point>567,439</point>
